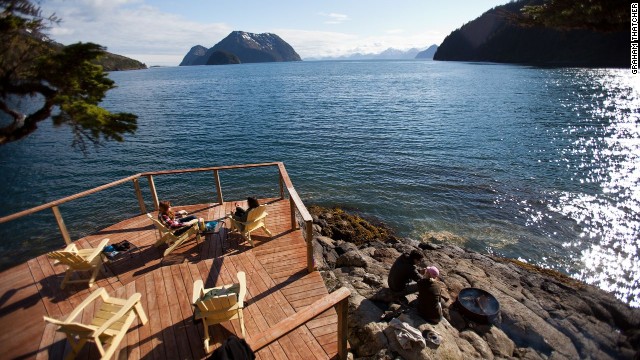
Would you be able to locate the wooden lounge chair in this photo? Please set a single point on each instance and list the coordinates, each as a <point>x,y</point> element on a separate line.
<point>107,328</point>
<point>255,220</point>
<point>168,236</point>
<point>79,260</point>
<point>219,304</point>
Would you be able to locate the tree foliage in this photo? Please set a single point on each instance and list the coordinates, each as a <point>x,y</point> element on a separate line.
<point>598,15</point>
<point>63,80</point>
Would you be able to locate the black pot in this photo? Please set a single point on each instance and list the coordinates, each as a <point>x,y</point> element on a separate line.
<point>478,305</point>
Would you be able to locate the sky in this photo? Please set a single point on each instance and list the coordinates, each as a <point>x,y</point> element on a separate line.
<point>161,32</point>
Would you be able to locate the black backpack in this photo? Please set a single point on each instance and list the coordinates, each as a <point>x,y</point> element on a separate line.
<point>233,348</point>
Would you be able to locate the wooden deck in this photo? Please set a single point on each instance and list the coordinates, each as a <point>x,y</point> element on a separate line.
<point>278,286</point>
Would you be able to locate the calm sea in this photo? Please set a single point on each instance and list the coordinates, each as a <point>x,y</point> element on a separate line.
<point>541,165</point>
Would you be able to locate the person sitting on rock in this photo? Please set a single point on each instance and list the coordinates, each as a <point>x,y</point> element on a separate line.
<point>429,291</point>
<point>404,270</point>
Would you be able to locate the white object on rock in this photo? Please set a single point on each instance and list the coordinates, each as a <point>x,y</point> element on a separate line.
<point>406,334</point>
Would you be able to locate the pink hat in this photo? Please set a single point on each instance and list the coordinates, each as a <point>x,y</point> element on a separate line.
<point>433,271</point>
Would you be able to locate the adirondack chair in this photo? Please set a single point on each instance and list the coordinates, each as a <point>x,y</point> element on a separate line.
<point>109,326</point>
<point>168,236</point>
<point>219,304</point>
<point>79,260</point>
<point>255,220</point>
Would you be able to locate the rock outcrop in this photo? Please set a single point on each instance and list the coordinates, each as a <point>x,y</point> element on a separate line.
<point>247,47</point>
<point>222,58</point>
<point>195,56</point>
<point>543,314</point>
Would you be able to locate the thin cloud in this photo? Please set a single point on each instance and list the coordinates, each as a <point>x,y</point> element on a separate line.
<point>145,33</point>
<point>132,29</point>
<point>334,18</point>
<point>317,43</point>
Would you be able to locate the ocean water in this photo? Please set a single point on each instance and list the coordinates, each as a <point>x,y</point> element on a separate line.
<point>541,165</point>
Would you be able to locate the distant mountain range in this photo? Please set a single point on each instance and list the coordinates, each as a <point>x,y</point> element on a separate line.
<point>493,37</point>
<point>428,53</point>
<point>389,54</point>
<point>242,47</point>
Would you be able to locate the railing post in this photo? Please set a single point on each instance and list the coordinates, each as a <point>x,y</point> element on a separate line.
<point>281,186</point>
<point>143,208</point>
<point>342,308</point>
<point>216,175</point>
<point>154,194</point>
<point>61,225</point>
<point>309,237</point>
<point>292,205</point>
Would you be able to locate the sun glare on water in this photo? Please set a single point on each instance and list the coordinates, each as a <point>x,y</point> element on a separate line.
<point>610,219</point>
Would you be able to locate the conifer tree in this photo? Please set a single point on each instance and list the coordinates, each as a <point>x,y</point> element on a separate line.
<point>61,83</point>
<point>598,15</point>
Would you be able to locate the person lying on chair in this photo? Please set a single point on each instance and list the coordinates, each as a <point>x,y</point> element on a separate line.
<point>241,214</point>
<point>177,221</point>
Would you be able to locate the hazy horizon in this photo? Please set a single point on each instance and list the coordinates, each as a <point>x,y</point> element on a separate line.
<point>161,32</point>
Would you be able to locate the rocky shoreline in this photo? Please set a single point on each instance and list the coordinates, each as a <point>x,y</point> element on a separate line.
<point>543,314</point>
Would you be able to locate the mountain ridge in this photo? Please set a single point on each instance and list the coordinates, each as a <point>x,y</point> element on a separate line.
<point>247,47</point>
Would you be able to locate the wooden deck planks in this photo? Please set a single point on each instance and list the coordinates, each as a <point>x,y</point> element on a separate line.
<point>278,286</point>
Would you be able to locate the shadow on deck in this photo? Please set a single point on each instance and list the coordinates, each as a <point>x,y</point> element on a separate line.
<point>278,286</point>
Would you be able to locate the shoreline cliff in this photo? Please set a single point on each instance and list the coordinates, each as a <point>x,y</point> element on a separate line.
<point>543,314</point>
<point>495,37</point>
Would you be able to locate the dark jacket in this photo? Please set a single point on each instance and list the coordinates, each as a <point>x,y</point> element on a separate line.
<point>233,348</point>
<point>429,300</point>
<point>402,272</point>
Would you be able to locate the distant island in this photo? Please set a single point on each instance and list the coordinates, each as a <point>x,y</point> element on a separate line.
<point>108,61</point>
<point>114,62</point>
<point>493,37</point>
<point>242,47</point>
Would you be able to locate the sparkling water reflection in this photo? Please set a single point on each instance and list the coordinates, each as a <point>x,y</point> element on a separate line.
<point>606,152</point>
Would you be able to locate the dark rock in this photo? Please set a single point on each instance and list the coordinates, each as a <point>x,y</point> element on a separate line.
<point>403,248</point>
<point>319,256</point>
<point>326,242</point>
<point>386,255</point>
<point>372,280</point>
<point>221,57</point>
<point>428,246</point>
<point>351,258</point>
<point>343,247</point>
<point>375,244</point>
<point>324,253</point>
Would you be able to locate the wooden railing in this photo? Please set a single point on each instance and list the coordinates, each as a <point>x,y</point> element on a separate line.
<point>284,182</point>
<point>338,298</point>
